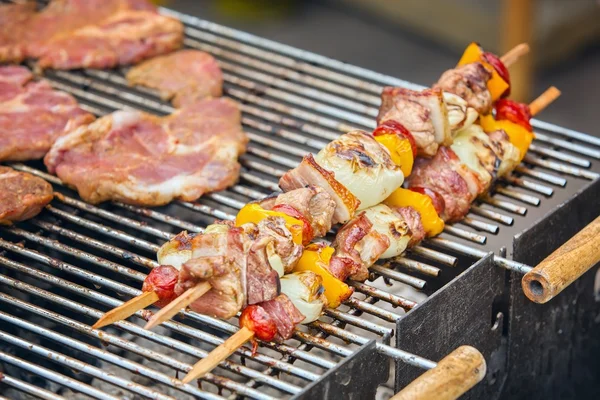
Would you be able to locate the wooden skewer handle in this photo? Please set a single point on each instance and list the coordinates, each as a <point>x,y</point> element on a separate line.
<point>565,265</point>
<point>453,376</point>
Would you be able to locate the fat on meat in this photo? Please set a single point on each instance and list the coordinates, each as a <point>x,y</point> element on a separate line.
<point>182,77</point>
<point>22,195</point>
<point>33,115</point>
<point>144,159</point>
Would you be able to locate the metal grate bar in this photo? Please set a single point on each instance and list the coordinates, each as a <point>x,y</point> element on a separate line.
<point>28,388</point>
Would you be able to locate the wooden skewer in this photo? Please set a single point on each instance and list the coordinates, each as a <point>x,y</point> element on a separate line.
<point>219,354</point>
<point>127,309</point>
<point>514,54</point>
<point>180,303</point>
<point>544,100</point>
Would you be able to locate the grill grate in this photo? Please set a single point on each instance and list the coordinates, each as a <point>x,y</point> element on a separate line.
<point>61,270</point>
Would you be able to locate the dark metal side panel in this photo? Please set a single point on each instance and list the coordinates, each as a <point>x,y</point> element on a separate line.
<point>355,378</point>
<point>468,310</point>
<point>555,347</point>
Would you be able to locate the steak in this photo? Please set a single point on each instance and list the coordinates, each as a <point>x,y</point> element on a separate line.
<point>183,77</point>
<point>33,115</point>
<point>12,20</point>
<point>22,195</point>
<point>144,159</point>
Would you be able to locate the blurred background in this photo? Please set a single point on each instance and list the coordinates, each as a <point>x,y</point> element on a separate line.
<point>417,40</point>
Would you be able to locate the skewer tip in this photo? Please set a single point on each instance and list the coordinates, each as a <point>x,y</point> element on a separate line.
<point>544,100</point>
<point>514,54</point>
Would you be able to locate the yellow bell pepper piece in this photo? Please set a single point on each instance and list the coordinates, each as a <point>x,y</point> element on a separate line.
<point>496,85</point>
<point>519,136</point>
<point>255,213</point>
<point>401,197</point>
<point>400,151</point>
<point>316,258</point>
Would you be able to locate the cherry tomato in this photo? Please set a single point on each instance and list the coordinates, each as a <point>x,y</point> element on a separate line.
<point>256,319</point>
<point>391,127</point>
<point>162,280</point>
<point>514,112</point>
<point>500,68</point>
<point>307,230</point>
<point>438,201</point>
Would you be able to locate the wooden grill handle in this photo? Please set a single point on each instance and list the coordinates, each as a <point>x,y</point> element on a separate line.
<point>453,376</point>
<point>565,265</point>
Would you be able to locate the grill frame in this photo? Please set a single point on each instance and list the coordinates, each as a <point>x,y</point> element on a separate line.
<point>276,121</point>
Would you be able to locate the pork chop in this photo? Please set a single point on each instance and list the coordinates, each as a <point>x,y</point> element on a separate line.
<point>22,195</point>
<point>33,115</point>
<point>148,160</point>
<point>13,18</point>
<point>183,77</point>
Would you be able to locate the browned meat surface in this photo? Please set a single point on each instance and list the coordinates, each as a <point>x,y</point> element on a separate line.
<point>217,258</point>
<point>22,195</point>
<point>423,113</point>
<point>469,81</point>
<point>413,219</point>
<point>310,173</point>
<point>90,33</point>
<point>12,22</point>
<point>312,202</point>
<point>357,247</point>
<point>446,175</point>
<point>33,115</point>
<point>143,159</point>
<point>183,77</point>
<point>285,315</point>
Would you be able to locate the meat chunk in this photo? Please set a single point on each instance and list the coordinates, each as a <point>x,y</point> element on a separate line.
<point>423,113</point>
<point>183,77</point>
<point>311,173</point>
<point>413,219</point>
<point>13,18</point>
<point>391,224</point>
<point>446,175</point>
<point>469,82</point>
<point>357,246</point>
<point>219,259</point>
<point>363,166</point>
<point>312,202</point>
<point>33,115</point>
<point>143,159</point>
<point>22,195</point>
<point>123,38</point>
<point>460,114</point>
<point>285,315</point>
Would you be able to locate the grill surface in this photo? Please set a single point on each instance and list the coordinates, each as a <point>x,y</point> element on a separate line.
<point>60,271</point>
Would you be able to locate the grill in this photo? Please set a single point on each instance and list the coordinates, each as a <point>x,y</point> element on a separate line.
<point>61,270</point>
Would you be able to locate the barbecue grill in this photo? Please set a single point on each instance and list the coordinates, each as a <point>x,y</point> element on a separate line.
<point>61,270</point>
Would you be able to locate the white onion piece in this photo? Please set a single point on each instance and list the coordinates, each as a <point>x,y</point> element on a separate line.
<point>475,150</point>
<point>216,228</point>
<point>386,222</point>
<point>307,299</point>
<point>274,259</point>
<point>460,115</point>
<point>363,166</point>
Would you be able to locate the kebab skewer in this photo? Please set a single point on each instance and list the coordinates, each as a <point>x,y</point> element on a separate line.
<point>400,198</point>
<point>456,113</point>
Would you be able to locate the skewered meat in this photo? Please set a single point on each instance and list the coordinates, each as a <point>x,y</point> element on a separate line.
<point>33,115</point>
<point>446,175</point>
<point>312,202</point>
<point>218,258</point>
<point>12,23</point>
<point>162,280</point>
<point>284,314</point>
<point>469,82</point>
<point>357,246</point>
<point>143,159</point>
<point>311,173</point>
<point>363,166</point>
<point>183,77</point>
<point>460,114</point>
<point>413,220</point>
<point>507,152</point>
<point>22,195</point>
<point>391,224</point>
<point>423,113</point>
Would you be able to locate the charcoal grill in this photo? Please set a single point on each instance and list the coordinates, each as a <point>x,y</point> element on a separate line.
<point>61,270</point>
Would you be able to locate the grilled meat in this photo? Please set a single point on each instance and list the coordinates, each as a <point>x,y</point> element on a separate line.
<point>469,82</point>
<point>183,77</point>
<point>413,220</point>
<point>460,114</point>
<point>357,246</point>
<point>22,195</point>
<point>508,154</point>
<point>33,115</point>
<point>387,222</point>
<point>143,159</point>
<point>309,172</point>
<point>363,166</point>
<point>284,314</point>
<point>13,18</point>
